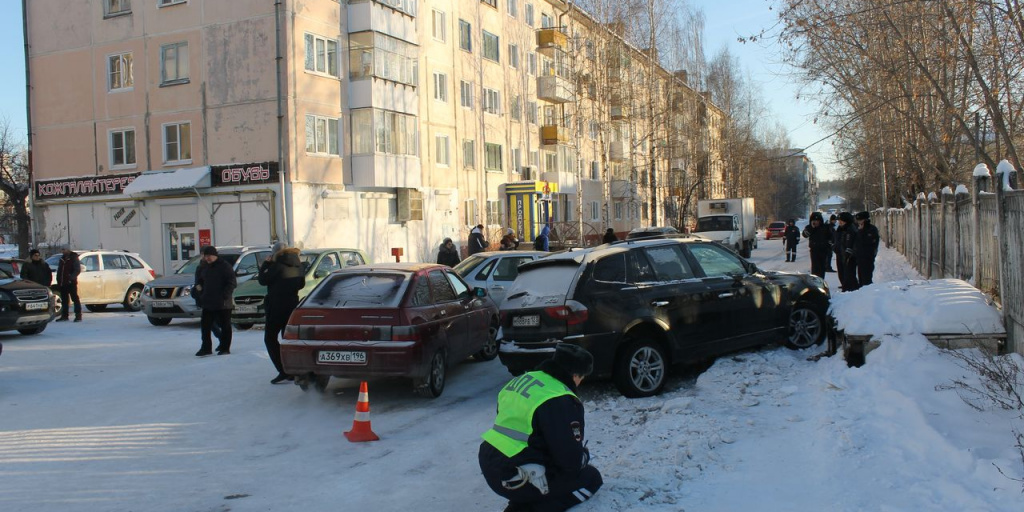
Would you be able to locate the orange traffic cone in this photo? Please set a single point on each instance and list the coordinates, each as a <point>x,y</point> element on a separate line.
<point>361,431</point>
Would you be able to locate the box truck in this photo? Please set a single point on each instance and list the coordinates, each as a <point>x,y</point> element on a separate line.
<point>729,221</point>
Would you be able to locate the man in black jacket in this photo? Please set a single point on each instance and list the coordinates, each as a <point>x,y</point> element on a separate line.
<point>476,240</point>
<point>37,270</point>
<point>847,258</point>
<point>819,241</point>
<point>535,455</point>
<point>215,283</point>
<point>832,244</point>
<point>68,269</point>
<point>865,248</point>
<point>283,276</point>
<point>792,237</point>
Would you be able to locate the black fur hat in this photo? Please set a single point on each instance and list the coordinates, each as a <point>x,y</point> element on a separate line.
<point>862,216</point>
<point>846,217</point>
<point>574,359</point>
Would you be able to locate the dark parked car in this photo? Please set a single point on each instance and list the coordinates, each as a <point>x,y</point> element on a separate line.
<point>25,306</point>
<point>408,320</point>
<point>642,306</point>
<point>652,232</point>
<point>774,230</point>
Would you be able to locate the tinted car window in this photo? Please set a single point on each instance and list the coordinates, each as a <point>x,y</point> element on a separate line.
<point>421,292</point>
<point>248,265</point>
<point>440,287</point>
<point>508,268</point>
<point>716,261</point>
<point>777,225</point>
<point>640,270</point>
<point>90,263</point>
<point>191,266</point>
<point>611,269</point>
<point>360,290</point>
<point>113,262</point>
<point>669,263</point>
<point>468,265</point>
<point>351,258</point>
<point>134,263</point>
<point>461,289</point>
<point>486,270</point>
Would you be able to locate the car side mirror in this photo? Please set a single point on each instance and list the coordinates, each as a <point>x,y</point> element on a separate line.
<point>479,292</point>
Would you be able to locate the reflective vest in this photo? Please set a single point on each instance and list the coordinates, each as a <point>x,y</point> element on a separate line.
<point>517,402</point>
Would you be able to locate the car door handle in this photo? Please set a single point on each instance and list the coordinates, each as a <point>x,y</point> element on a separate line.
<point>660,303</point>
<point>725,295</point>
<point>444,312</point>
<point>497,287</point>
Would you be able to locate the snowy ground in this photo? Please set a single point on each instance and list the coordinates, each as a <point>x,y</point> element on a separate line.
<point>114,414</point>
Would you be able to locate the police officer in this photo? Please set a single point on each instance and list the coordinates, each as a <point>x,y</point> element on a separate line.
<point>535,454</point>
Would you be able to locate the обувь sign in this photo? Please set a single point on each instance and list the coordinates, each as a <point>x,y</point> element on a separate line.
<point>243,174</point>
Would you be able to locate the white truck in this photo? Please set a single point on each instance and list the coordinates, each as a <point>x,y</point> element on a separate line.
<point>729,221</point>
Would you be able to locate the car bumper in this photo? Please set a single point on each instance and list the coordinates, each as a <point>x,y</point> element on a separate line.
<point>383,359</point>
<point>259,317</point>
<point>520,357</point>
<point>12,318</point>
<point>179,308</point>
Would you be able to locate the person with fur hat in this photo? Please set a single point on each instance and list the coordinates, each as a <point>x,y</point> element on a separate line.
<point>846,262</point>
<point>283,275</point>
<point>865,248</point>
<point>819,241</point>
<point>792,237</point>
<point>37,270</point>
<point>832,220</point>
<point>215,283</point>
<point>447,254</point>
<point>509,242</point>
<point>535,455</point>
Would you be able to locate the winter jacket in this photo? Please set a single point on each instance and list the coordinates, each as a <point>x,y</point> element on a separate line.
<point>834,229</point>
<point>847,237</point>
<point>509,242</point>
<point>541,242</point>
<point>865,245</point>
<point>37,272</point>
<point>68,269</point>
<point>476,241</point>
<point>284,277</point>
<point>215,283</point>
<point>818,237</point>
<point>446,256</point>
<point>791,234</point>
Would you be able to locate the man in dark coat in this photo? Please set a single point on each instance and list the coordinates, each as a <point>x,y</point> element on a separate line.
<point>215,283</point>
<point>37,270</point>
<point>476,240</point>
<point>68,269</point>
<point>832,244</point>
<point>283,276</point>
<point>609,236</point>
<point>865,248</point>
<point>847,260</point>
<point>535,454</point>
<point>792,237</point>
<point>819,241</point>
<point>447,254</point>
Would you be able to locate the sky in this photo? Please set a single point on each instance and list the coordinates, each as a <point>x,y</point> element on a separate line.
<point>724,22</point>
<point>117,415</point>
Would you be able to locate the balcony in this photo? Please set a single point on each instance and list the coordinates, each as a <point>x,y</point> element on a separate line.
<point>555,89</point>
<point>618,151</point>
<point>617,112</point>
<point>550,41</point>
<point>553,135</point>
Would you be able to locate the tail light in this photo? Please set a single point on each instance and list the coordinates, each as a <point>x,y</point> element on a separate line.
<point>152,273</point>
<point>406,333</point>
<point>291,332</point>
<point>573,313</point>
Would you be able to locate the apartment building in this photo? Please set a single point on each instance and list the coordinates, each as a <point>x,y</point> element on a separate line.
<point>160,126</point>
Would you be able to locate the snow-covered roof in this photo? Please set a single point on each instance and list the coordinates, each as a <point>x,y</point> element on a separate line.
<point>833,201</point>
<point>178,179</point>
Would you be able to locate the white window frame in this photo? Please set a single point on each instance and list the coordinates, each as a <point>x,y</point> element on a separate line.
<point>439,24</point>
<point>528,14</point>
<point>469,153</point>
<point>492,101</point>
<point>512,7</point>
<point>515,108</point>
<point>546,20</point>
<point>492,160</point>
<point>323,147</point>
<point>618,210</point>
<point>466,94</point>
<point>595,211</point>
<point>493,213</point>
<point>513,56</point>
<point>125,71</point>
<point>166,3</point>
<point>496,45</point>
<point>313,65</point>
<point>465,36</point>
<point>124,148</point>
<point>441,86</point>
<point>113,8</point>
<point>180,50</point>
<point>531,63</point>
<point>442,151</point>
<point>492,3</point>
<point>181,142</point>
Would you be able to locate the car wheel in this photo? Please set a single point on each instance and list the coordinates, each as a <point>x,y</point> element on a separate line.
<point>490,348</point>
<point>96,308</point>
<point>806,327</point>
<point>34,330</point>
<point>320,382</point>
<point>160,322</point>
<point>58,305</point>
<point>640,369</point>
<point>243,327</point>
<point>432,385</point>
<point>133,299</point>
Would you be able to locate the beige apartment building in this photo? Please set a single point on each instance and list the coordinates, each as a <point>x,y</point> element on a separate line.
<point>160,126</point>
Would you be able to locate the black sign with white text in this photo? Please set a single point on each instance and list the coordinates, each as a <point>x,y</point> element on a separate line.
<point>243,174</point>
<point>83,186</point>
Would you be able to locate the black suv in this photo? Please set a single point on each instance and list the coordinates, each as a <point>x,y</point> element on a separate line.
<point>25,306</point>
<point>641,306</point>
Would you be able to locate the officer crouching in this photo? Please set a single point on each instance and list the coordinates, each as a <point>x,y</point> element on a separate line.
<point>535,454</point>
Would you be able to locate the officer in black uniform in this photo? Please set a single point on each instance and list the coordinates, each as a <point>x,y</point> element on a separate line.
<point>535,454</point>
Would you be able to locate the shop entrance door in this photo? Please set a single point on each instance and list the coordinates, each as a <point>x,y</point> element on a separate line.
<point>181,244</point>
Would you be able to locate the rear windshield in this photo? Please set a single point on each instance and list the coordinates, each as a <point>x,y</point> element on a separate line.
<point>360,290</point>
<point>777,225</point>
<point>541,285</point>
<point>468,265</point>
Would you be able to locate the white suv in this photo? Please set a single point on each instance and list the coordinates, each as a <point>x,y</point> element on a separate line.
<point>108,277</point>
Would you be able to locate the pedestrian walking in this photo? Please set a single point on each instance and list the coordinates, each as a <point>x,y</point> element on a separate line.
<point>447,254</point>
<point>541,242</point>
<point>476,240</point>
<point>283,275</point>
<point>509,242</point>
<point>215,284</point>
<point>609,236</point>
<point>832,219</point>
<point>865,248</point>
<point>819,243</point>
<point>792,236</point>
<point>536,454</point>
<point>68,269</point>
<point>37,270</point>
<point>847,260</point>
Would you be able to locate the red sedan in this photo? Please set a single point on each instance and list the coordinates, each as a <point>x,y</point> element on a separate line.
<point>774,230</point>
<point>408,320</point>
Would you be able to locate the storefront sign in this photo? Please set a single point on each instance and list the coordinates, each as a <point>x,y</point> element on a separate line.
<point>205,238</point>
<point>83,186</point>
<point>124,217</point>
<point>243,174</point>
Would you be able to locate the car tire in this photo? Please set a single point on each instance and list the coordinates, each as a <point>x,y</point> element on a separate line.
<point>641,368</point>
<point>432,385</point>
<point>320,382</point>
<point>490,349</point>
<point>133,299</point>
<point>242,327</point>
<point>806,328</point>
<point>96,308</point>
<point>159,322</point>
<point>58,304</point>
<point>33,331</point>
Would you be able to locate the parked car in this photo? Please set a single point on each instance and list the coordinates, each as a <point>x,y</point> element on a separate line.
<point>318,263</point>
<point>171,296</point>
<point>495,270</point>
<point>409,320</point>
<point>642,306</point>
<point>652,232</point>
<point>25,306</point>
<point>12,265</point>
<point>108,277</point>
<point>774,230</point>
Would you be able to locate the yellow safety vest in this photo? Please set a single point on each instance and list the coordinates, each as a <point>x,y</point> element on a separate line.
<point>517,402</point>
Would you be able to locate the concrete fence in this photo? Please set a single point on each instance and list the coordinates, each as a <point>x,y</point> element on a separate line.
<point>976,235</point>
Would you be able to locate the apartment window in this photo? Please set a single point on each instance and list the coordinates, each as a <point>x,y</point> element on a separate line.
<point>513,55</point>
<point>466,94</point>
<point>441,87</point>
<point>492,101</point>
<point>122,147</point>
<point>120,71</point>
<point>177,143</point>
<point>321,55</point>
<point>618,210</point>
<point>492,157</point>
<point>595,170</point>
<point>531,112</point>
<point>591,50</point>
<point>465,35</point>
<point>116,7</point>
<point>531,63</point>
<point>442,154</point>
<point>513,8</point>
<point>493,212</point>
<point>492,3</point>
<point>594,127</point>
<point>534,159</point>
<point>174,63</point>
<point>439,26</point>
<point>516,159</point>
<point>376,55</point>
<point>546,21</point>
<point>170,2</point>
<point>383,131</point>
<point>515,108</point>
<point>322,135</point>
<point>595,210</point>
<point>469,153</point>
<point>528,14</point>
<point>550,161</point>
<point>469,212</point>
<point>491,49</point>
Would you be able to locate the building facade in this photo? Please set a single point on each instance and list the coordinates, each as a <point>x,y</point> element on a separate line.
<point>166,125</point>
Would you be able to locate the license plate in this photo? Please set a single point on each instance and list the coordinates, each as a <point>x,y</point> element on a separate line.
<point>526,321</point>
<point>36,306</point>
<point>340,357</point>
<point>163,304</point>
<point>245,308</point>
